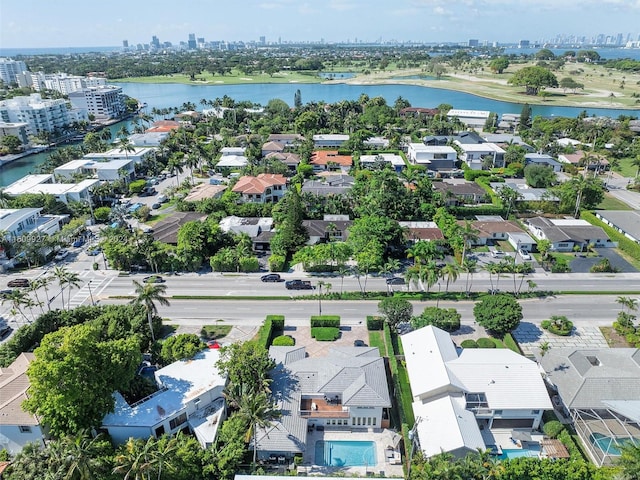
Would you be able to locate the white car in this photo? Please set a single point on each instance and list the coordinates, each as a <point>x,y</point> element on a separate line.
<point>61,255</point>
<point>524,254</point>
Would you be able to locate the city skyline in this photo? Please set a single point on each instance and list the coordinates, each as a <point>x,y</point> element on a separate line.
<point>70,23</point>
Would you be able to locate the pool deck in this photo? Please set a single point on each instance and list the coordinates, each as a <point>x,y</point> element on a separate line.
<point>385,464</point>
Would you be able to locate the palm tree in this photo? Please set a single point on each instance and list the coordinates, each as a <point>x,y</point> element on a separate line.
<point>125,145</point>
<point>18,300</point>
<point>469,267</point>
<point>450,272</point>
<point>60,273</point>
<point>191,162</point>
<point>257,411</point>
<point>72,280</point>
<point>468,234</point>
<point>627,302</point>
<point>147,294</point>
<point>81,458</point>
<point>135,460</point>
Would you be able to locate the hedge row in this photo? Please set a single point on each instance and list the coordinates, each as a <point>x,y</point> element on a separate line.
<point>555,429</point>
<point>374,322</point>
<point>626,245</point>
<point>277,321</point>
<point>480,343</point>
<point>273,324</point>
<point>325,321</point>
<point>325,334</point>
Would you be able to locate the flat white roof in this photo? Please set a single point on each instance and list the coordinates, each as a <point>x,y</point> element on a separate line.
<point>570,222</point>
<point>331,136</point>
<point>480,147</point>
<point>392,158</point>
<point>432,148</point>
<point>184,380</point>
<point>110,165</point>
<point>72,165</point>
<point>117,153</point>
<point>232,161</point>
<point>26,183</point>
<point>468,113</point>
<point>435,426</point>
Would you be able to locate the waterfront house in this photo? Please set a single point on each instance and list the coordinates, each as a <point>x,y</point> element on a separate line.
<point>45,184</point>
<point>433,157</point>
<point>470,118</point>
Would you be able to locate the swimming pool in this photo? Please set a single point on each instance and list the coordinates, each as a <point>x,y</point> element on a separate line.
<point>519,452</point>
<point>345,453</point>
<point>610,446</point>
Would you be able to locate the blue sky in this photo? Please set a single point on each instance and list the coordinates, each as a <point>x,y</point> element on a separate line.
<point>67,23</point>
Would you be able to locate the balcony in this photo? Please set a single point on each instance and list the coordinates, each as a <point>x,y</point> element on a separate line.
<point>320,408</point>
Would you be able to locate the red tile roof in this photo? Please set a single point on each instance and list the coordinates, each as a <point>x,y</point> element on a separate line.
<point>323,157</point>
<point>164,126</point>
<point>257,185</point>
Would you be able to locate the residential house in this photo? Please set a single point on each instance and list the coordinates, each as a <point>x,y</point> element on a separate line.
<point>468,138</point>
<point>476,154</point>
<point>395,161</point>
<point>189,396</point>
<point>581,159</point>
<point>625,222</point>
<point>599,390</point>
<point>504,140</point>
<point>416,231</point>
<point>345,390</point>
<point>165,126</point>
<point>329,140</point>
<point>509,121</point>
<point>329,185</point>
<point>470,118</point>
<point>291,160</point>
<point>457,191</point>
<point>330,160</point>
<point>330,228</point>
<point>233,162</point>
<point>17,427</point>
<point>286,139</point>
<point>492,229</point>
<point>418,112</point>
<point>265,188</point>
<point>436,140</point>
<point>567,234</point>
<point>525,192</point>
<point>107,170</point>
<point>272,147</point>
<point>203,191</point>
<point>166,230</point>
<point>259,229</point>
<point>542,160</point>
<point>148,139</point>
<point>434,157</point>
<point>568,142</point>
<point>15,222</point>
<point>464,398</point>
<point>45,184</point>
<point>376,142</point>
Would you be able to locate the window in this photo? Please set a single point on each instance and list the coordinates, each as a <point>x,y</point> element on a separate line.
<point>535,412</point>
<point>353,421</point>
<point>160,431</point>
<point>24,429</point>
<point>497,412</point>
<point>176,422</point>
<point>374,421</point>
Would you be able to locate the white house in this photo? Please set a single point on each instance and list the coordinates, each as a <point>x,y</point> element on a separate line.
<point>16,222</point>
<point>17,427</point>
<point>108,170</point>
<point>329,140</point>
<point>137,155</point>
<point>470,118</point>
<point>189,396</point>
<point>567,234</point>
<point>63,192</point>
<point>473,154</point>
<point>226,151</point>
<point>396,161</point>
<point>434,157</point>
<point>149,139</point>
<point>463,398</point>
<point>232,161</point>
<point>17,129</point>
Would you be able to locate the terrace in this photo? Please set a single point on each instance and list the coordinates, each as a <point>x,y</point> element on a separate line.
<point>322,408</point>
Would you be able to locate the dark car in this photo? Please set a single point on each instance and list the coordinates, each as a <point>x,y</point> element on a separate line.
<point>5,331</point>
<point>153,279</point>
<point>94,252</point>
<point>271,277</point>
<point>359,343</point>
<point>79,242</point>
<point>156,205</point>
<point>18,282</point>
<point>299,285</point>
<point>5,293</point>
<point>395,281</point>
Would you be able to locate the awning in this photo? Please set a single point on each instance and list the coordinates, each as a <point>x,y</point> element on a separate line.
<point>521,435</point>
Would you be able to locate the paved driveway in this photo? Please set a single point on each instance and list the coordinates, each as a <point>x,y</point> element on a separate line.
<point>583,265</point>
<point>314,348</point>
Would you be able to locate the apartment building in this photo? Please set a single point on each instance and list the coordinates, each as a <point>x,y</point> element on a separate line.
<point>10,68</point>
<point>106,101</point>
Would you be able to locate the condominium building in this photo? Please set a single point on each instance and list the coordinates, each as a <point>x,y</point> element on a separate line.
<point>10,68</point>
<point>62,82</point>
<point>40,115</point>
<point>16,129</point>
<point>106,101</point>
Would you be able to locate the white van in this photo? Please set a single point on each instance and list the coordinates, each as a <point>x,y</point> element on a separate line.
<point>162,198</point>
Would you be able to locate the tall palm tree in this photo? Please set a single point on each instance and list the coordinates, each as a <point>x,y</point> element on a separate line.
<point>72,280</point>
<point>450,273</point>
<point>469,267</point>
<point>627,302</point>
<point>81,460</point>
<point>60,273</point>
<point>125,145</point>
<point>147,294</point>
<point>257,411</point>
<point>468,234</point>
<point>135,459</point>
<point>18,299</point>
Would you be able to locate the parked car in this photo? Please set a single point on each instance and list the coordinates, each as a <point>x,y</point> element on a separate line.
<point>5,331</point>
<point>162,198</point>
<point>94,252</point>
<point>156,205</point>
<point>19,282</point>
<point>79,242</point>
<point>497,253</point>
<point>271,277</point>
<point>395,281</point>
<point>61,255</point>
<point>524,254</point>
<point>153,279</point>
<point>5,293</point>
<point>359,343</point>
<point>299,285</point>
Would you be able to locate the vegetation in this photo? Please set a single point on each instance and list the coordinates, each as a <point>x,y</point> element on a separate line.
<point>395,311</point>
<point>447,319</point>
<point>500,314</point>
<point>181,347</point>
<point>283,341</point>
<point>325,334</point>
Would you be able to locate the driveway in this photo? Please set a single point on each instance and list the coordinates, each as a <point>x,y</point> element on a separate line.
<point>348,334</point>
<point>583,265</point>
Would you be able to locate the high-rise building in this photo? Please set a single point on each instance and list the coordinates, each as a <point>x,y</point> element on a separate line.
<point>40,115</point>
<point>192,41</point>
<point>125,44</point>
<point>474,43</point>
<point>524,44</point>
<point>263,40</point>
<point>155,43</point>
<point>105,101</point>
<point>10,68</point>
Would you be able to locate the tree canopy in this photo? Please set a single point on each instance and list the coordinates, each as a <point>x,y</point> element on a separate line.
<point>534,79</point>
<point>395,310</point>
<point>499,314</point>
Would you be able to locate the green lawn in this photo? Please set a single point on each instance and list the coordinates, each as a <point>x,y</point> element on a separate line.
<point>376,340</point>
<point>234,78</point>
<point>625,168</point>
<point>612,203</point>
<point>212,332</point>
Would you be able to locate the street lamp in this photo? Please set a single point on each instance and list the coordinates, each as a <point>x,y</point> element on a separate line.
<point>90,293</point>
<point>320,283</point>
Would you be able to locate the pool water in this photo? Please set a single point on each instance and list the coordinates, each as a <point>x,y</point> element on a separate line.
<point>608,445</point>
<point>345,453</point>
<point>519,452</point>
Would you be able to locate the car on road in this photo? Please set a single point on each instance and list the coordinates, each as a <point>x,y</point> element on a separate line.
<point>395,281</point>
<point>359,343</point>
<point>19,282</point>
<point>78,242</point>
<point>271,277</point>
<point>94,252</point>
<point>162,198</point>
<point>61,255</point>
<point>5,331</point>
<point>497,253</point>
<point>524,254</point>
<point>299,285</point>
<point>5,293</point>
<point>156,205</point>
<point>153,279</point>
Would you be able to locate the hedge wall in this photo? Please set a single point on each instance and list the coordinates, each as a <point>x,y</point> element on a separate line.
<point>325,321</point>
<point>325,334</point>
<point>626,245</point>
<point>374,322</point>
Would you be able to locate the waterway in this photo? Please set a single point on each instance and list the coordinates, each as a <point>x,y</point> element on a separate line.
<point>172,95</point>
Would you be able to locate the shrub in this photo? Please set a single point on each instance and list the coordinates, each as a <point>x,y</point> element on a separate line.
<point>325,321</point>
<point>272,324</point>
<point>249,264</point>
<point>374,322</point>
<point>604,266</point>
<point>553,428</point>
<point>499,314</point>
<point>485,343</point>
<point>447,319</point>
<point>101,214</point>
<point>558,325</point>
<point>277,263</point>
<point>283,341</point>
<point>180,347</point>
<point>325,334</point>
<point>277,321</point>
<point>469,343</point>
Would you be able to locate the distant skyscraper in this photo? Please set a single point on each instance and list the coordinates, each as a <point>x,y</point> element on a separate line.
<point>192,41</point>
<point>474,43</point>
<point>524,44</point>
<point>125,43</point>
<point>263,40</point>
<point>155,42</point>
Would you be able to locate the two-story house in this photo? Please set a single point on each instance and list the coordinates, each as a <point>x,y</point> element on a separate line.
<point>464,399</point>
<point>434,157</point>
<point>265,188</point>
<point>345,390</point>
<point>476,154</point>
<point>323,160</point>
<point>189,396</point>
